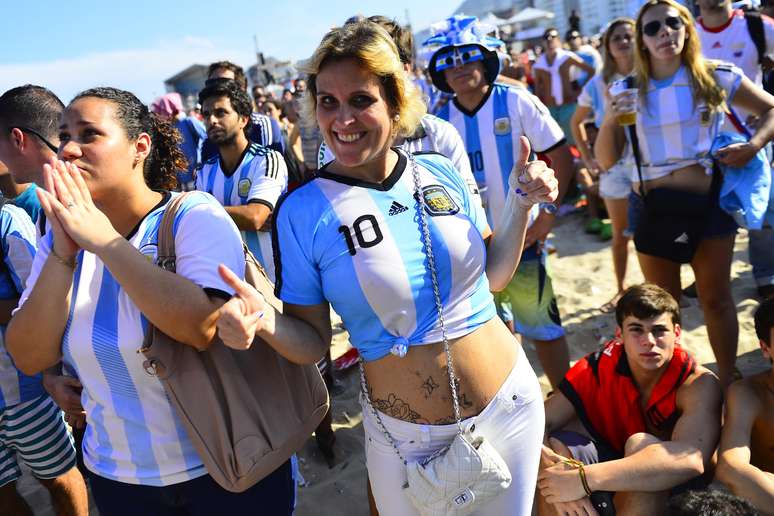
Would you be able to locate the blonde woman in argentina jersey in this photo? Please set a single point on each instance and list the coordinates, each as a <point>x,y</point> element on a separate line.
<point>680,108</point>
<point>350,239</point>
<point>94,287</point>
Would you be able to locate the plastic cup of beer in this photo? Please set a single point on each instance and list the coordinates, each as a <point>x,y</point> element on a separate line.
<point>626,102</point>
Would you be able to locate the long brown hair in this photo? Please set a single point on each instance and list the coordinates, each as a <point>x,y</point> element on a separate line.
<point>700,71</point>
<point>609,68</point>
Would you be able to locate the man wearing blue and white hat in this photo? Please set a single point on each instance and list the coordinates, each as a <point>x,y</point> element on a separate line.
<point>491,117</point>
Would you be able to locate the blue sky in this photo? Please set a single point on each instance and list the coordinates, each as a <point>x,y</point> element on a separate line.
<point>70,46</point>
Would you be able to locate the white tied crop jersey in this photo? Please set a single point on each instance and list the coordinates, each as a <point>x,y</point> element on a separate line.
<point>674,131</point>
<point>133,433</point>
<point>359,246</point>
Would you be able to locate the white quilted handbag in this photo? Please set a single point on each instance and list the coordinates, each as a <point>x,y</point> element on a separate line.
<point>467,474</point>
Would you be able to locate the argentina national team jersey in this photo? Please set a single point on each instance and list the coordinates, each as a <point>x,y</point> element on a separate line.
<point>358,246</point>
<point>675,131</point>
<point>491,135</point>
<point>261,177</point>
<point>133,433</point>
<point>17,238</point>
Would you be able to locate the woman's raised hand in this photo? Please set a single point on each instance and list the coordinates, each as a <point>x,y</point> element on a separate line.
<point>241,317</point>
<point>76,220</point>
<point>533,182</point>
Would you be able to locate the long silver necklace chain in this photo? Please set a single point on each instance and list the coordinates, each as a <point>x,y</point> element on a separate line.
<point>439,307</point>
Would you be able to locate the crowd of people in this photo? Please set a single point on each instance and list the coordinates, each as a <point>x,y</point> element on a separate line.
<point>416,204</point>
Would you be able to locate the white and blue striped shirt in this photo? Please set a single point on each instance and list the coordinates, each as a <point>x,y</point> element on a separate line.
<point>261,177</point>
<point>674,130</point>
<point>358,246</point>
<point>133,433</point>
<point>491,134</point>
<point>17,238</point>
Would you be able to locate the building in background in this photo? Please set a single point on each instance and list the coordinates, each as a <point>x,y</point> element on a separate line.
<point>188,84</point>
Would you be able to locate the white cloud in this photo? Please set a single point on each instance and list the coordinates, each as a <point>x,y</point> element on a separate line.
<point>141,71</point>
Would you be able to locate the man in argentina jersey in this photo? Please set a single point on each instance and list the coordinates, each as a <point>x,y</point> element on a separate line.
<point>245,177</point>
<point>491,117</point>
<point>264,129</point>
<point>32,428</point>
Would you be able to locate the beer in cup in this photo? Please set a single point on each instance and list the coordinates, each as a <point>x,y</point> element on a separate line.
<point>626,103</point>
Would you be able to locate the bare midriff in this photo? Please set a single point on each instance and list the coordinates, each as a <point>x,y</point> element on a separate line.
<point>692,178</point>
<point>416,388</point>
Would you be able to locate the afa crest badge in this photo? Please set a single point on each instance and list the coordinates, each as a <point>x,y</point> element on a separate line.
<point>243,187</point>
<point>502,126</point>
<point>438,201</point>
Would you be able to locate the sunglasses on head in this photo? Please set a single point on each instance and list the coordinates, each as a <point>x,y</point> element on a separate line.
<point>654,27</point>
<point>42,138</point>
<point>458,56</point>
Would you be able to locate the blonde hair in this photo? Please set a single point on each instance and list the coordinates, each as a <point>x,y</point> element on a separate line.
<point>374,49</point>
<point>609,68</point>
<point>700,70</point>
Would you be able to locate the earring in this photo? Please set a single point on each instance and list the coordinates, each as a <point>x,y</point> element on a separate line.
<point>396,118</point>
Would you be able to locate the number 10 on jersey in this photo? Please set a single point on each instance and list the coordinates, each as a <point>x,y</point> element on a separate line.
<point>367,233</point>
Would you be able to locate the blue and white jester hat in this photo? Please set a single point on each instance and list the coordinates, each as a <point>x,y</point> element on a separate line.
<point>460,39</point>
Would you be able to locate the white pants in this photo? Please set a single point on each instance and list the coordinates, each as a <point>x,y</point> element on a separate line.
<point>513,422</point>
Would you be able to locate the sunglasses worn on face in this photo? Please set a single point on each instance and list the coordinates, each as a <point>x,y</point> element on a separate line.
<point>47,143</point>
<point>619,38</point>
<point>549,37</point>
<point>458,56</point>
<point>654,27</point>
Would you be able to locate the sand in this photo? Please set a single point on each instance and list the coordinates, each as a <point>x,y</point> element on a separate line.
<point>583,278</point>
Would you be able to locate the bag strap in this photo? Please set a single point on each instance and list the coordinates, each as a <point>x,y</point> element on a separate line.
<point>757,34</point>
<point>635,143</point>
<point>166,257</point>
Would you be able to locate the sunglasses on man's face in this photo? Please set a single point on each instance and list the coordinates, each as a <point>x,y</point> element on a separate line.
<point>549,37</point>
<point>652,28</point>
<point>42,138</point>
<point>458,56</point>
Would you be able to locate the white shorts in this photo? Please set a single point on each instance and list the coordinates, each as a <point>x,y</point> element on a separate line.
<point>616,183</point>
<point>513,422</point>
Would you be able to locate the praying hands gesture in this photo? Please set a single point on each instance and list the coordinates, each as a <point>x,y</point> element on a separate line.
<point>75,220</point>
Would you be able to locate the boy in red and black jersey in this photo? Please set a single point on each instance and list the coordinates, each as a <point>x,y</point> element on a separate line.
<point>640,414</point>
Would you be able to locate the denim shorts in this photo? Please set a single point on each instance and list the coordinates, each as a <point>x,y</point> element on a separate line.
<point>616,183</point>
<point>719,223</point>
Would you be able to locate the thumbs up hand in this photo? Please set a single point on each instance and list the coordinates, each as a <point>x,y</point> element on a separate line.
<point>532,182</point>
<point>241,317</point>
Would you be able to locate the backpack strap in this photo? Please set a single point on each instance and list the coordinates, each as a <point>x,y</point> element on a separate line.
<point>635,143</point>
<point>755,28</point>
<point>165,238</point>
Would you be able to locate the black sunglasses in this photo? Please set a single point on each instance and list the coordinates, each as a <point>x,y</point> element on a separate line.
<point>550,36</point>
<point>48,144</point>
<point>652,28</point>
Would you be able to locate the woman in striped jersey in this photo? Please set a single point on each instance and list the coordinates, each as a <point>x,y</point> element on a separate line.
<point>680,108</point>
<point>93,288</point>
<point>351,239</point>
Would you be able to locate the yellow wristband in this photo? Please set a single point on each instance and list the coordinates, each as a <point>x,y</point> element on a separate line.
<point>581,472</point>
<point>71,263</point>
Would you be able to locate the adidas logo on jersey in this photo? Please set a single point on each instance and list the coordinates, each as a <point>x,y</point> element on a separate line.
<point>396,208</point>
<point>682,239</point>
